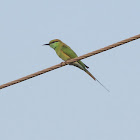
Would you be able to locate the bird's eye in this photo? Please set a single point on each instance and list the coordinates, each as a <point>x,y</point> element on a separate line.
<point>54,41</point>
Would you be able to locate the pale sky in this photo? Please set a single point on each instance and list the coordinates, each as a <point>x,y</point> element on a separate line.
<point>67,104</point>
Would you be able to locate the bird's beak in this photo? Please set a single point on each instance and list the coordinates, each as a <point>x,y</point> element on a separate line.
<point>46,44</point>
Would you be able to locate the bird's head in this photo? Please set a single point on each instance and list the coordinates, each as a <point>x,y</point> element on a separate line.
<point>54,43</point>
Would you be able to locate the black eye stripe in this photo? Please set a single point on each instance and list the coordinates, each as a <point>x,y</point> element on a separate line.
<point>54,42</point>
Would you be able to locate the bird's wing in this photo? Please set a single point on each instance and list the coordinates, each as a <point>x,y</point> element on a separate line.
<point>68,51</point>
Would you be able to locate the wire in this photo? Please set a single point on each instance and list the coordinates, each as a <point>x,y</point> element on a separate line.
<point>70,61</point>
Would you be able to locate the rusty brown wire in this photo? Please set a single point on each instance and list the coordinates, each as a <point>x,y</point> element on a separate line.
<point>70,61</point>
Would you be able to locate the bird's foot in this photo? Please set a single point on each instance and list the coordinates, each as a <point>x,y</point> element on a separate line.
<point>65,63</point>
<point>61,64</point>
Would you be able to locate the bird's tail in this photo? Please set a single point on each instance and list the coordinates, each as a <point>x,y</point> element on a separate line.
<point>96,79</point>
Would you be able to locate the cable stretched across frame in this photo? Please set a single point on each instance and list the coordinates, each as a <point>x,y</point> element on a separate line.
<point>70,61</point>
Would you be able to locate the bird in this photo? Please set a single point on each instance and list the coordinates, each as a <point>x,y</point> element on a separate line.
<point>66,53</point>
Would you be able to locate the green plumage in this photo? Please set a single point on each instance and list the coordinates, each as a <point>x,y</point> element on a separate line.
<point>66,53</point>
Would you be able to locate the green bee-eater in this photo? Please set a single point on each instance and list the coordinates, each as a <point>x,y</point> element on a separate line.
<point>66,53</point>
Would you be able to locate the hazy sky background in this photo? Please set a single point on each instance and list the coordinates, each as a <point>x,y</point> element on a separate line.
<point>67,104</point>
